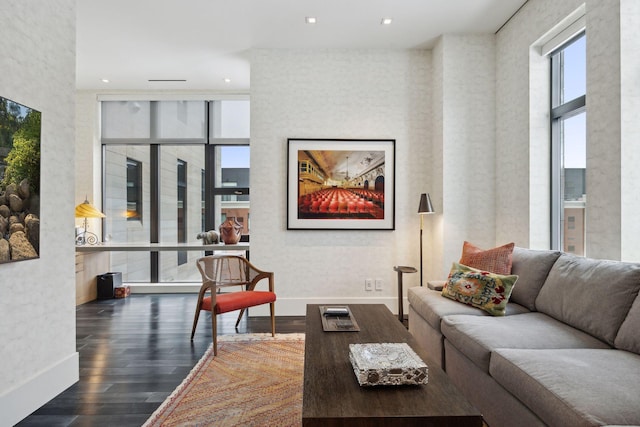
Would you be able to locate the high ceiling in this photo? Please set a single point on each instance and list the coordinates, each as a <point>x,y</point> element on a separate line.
<point>204,42</point>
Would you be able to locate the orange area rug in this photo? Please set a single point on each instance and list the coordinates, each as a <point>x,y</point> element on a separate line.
<point>255,380</point>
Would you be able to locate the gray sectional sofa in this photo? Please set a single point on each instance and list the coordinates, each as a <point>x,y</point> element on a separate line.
<point>567,352</point>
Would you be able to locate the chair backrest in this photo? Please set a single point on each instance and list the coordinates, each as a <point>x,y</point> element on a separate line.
<point>225,270</point>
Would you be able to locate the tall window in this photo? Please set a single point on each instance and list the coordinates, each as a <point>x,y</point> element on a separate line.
<point>134,190</point>
<point>185,151</point>
<point>568,139</point>
<point>182,207</point>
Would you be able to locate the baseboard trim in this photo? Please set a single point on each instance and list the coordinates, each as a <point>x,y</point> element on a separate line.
<point>19,402</point>
<point>284,306</point>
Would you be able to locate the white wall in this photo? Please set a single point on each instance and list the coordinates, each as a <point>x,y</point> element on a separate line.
<point>337,94</point>
<point>463,146</point>
<point>630,108</point>
<point>37,297</point>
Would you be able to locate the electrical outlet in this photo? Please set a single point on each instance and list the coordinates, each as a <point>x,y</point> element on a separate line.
<point>378,284</point>
<point>368,284</point>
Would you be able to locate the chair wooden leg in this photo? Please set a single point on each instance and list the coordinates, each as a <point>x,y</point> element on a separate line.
<point>273,319</point>
<point>240,316</point>
<point>214,332</point>
<point>195,322</point>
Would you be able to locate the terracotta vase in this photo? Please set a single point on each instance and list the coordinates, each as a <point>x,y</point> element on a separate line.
<point>230,231</point>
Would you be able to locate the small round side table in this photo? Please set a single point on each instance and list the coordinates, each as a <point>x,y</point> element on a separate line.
<point>402,269</point>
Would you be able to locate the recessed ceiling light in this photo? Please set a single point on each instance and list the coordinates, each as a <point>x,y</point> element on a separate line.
<point>386,21</point>
<point>310,20</point>
<point>104,80</point>
<point>227,80</point>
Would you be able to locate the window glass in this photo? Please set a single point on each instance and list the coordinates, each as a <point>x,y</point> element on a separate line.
<point>232,172</point>
<point>232,166</point>
<point>180,119</point>
<point>573,183</point>
<point>126,206</point>
<point>574,76</point>
<point>569,143</point>
<point>230,119</point>
<point>134,190</point>
<point>180,209</point>
<point>126,119</point>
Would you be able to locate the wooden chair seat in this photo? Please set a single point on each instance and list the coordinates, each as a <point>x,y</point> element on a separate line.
<point>238,300</point>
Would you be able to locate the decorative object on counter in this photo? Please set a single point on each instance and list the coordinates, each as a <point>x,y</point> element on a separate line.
<point>424,208</point>
<point>230,231</point>
<point>210,237</point>
<point>387,364</point>
<point>87,210</point>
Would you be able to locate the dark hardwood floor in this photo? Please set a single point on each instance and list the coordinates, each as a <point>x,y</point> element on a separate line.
<point>133,353</point>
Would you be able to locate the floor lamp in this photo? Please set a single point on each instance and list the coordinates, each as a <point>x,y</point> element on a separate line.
<point>425,208</point>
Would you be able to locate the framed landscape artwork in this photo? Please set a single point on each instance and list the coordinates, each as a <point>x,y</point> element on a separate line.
<point>19,181</point>
<point>341,184</point>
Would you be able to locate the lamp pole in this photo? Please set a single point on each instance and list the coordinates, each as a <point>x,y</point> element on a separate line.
<point>425,207</point>
<point>421,227</point>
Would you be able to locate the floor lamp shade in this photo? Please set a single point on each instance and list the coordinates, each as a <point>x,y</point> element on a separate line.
<point>425,207</point>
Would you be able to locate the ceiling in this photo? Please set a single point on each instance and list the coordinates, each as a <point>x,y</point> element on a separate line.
<point>204,42</point>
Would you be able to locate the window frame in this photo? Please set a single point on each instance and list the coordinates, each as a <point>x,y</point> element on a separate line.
<point>213,119</point>
<point>559,112</point>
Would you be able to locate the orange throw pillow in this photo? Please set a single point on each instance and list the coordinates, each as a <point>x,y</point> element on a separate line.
<point>497,260</point>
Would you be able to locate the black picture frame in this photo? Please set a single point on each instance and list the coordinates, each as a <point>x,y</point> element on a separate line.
<point>340,184</point>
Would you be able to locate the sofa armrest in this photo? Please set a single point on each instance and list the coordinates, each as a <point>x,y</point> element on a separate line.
<point>436,285</point>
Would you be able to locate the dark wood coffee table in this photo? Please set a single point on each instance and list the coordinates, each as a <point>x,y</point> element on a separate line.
<point>333,397</point>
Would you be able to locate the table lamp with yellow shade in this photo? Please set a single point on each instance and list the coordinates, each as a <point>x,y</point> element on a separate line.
<point>86,210</point>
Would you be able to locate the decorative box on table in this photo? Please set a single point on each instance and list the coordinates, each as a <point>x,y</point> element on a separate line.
<point>387,364</point>
<point>122,291</point>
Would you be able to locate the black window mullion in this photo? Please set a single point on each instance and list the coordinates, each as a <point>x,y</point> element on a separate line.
<point>154,220</point>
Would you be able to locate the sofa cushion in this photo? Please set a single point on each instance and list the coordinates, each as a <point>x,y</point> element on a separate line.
<point>479,288</point>
<point>590,294</point>
<point>477,336</point>
<point>572,387</point>
<point>532,267</point>
<point>628,337</point>
<point>432,306</point>
<point>496,260</point>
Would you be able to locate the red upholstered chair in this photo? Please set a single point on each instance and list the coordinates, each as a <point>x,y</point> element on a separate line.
<point>223,271</point>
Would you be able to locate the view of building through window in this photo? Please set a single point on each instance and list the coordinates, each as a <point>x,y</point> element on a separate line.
<point>134,190</point>
<point>182,208</point>
<point>568,69</point>
<point>234,174</point>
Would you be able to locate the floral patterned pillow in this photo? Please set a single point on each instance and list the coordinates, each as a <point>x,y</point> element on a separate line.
<point>496,260</point>
<point>481,289</point>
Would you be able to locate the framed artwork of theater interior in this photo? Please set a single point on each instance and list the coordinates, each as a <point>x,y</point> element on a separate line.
<point>340,184</point>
